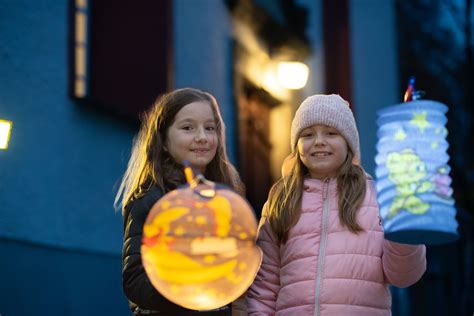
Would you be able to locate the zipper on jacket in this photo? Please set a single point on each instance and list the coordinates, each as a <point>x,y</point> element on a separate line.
<point>322,246</point>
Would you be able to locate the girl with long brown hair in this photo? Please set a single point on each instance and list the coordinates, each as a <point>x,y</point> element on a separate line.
<point>320,232</point>
<point>183,125</point>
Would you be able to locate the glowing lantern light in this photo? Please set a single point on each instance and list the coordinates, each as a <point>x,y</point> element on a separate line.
<point>199,246</point>
<point>5,129</point>
<point>292,75</point>
<point>413,182</point>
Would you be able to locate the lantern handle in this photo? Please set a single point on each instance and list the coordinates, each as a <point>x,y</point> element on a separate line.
<point>411,94</point>
<point>194,180</point>
<point>201,179</point>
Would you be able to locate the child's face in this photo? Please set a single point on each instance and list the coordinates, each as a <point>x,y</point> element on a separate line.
<point>323,150</point>
<point>193,135</point>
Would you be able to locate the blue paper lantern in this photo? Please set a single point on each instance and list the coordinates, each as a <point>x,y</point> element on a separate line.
<point>413,183</point>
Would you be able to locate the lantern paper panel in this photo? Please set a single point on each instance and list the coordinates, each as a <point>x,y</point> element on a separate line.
<point>199,246</point>
<point>413,184</point>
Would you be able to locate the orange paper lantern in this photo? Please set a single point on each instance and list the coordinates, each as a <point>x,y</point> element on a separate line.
<point>199,246</point>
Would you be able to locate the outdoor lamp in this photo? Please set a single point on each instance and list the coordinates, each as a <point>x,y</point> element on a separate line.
<point>292,75</point>
<point>5,129</point>
<point>81,47</point>
<point>413,184</point>
<point>198,245</point>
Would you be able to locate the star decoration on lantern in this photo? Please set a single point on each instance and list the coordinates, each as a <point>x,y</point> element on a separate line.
<point>201,220</point>
<point>179,231</point>
<point>400,135</point>
<point>443,130</point>
<point>419,119</point>
<point>209,259</point>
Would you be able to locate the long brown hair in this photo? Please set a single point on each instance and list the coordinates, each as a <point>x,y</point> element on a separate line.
<point>284,206</point>
<point>151,165</point>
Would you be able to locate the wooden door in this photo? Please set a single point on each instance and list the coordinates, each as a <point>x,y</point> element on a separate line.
<point>254,107</point>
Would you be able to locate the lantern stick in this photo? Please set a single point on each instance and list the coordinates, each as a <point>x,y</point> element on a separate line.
<point>411,94</point>
<point>191,178</point>
<point>188,173</point>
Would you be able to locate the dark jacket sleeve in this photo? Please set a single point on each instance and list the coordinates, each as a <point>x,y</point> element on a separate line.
<point>136,285</point>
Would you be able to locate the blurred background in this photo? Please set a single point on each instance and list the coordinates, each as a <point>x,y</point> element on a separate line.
<point>75,76</point>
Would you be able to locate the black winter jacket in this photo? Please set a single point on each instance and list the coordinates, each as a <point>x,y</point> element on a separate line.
<point>136,285</point>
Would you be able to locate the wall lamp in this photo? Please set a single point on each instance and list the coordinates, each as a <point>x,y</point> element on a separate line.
<point>292,75</point>
<point>5,128</point>
<point>81,48</point>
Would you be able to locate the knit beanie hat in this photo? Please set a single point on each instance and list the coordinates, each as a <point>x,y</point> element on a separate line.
<point>331,110</point>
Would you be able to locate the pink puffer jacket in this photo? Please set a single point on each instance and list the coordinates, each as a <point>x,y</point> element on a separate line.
<point>324,269</point>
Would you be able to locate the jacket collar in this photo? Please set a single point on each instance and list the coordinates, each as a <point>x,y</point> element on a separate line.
<point>316,185</point>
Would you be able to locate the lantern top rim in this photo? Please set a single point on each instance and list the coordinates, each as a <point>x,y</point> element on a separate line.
<point>420,105</point>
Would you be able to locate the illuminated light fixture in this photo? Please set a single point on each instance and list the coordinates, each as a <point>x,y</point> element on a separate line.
<point>5,128</point>
<point>81,23</point>
<point>292,75</point>
<point>413,183</point>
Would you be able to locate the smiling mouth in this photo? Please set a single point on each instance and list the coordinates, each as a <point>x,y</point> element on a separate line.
<point>321,154</point>
<point>200,151</point>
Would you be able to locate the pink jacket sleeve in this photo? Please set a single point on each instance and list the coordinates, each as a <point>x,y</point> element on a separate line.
<point>403,264</point>
<point>262,295</point>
